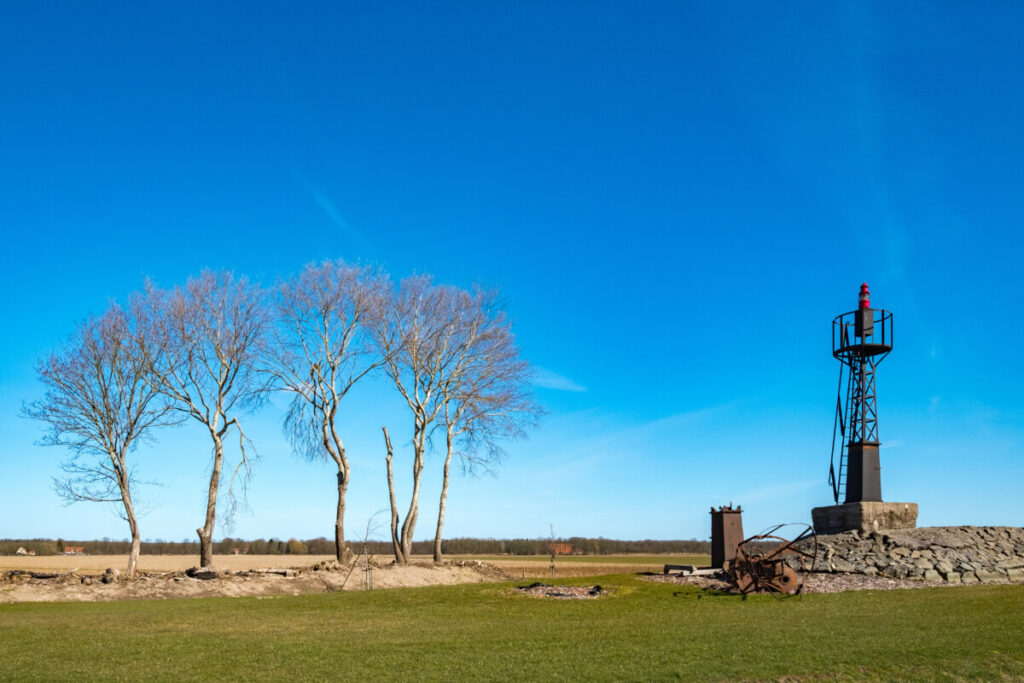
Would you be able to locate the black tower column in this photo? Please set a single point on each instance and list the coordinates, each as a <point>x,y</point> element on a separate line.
<point>864,477</point>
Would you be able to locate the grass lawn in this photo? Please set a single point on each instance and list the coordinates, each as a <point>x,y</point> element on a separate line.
<point>486,631</point>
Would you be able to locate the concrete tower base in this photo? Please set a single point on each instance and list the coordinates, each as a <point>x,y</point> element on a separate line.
<point>865,516</point>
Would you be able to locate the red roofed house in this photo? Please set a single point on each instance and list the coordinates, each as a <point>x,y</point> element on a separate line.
<point>562,549</point>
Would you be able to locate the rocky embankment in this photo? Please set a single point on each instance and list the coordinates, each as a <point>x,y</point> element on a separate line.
<point>961,554</point>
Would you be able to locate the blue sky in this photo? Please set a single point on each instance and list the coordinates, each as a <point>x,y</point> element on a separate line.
<point>674,198</point>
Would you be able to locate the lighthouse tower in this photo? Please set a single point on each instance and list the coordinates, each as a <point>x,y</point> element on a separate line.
<point>861,339</point>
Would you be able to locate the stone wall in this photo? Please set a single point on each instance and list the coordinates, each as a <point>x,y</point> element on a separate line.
<point>964,554</point>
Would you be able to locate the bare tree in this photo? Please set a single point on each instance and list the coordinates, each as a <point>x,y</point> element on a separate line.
<point>484,393</point>
<point>321,350</point>
<point>206,340</point>
<point>452,357</point>
<point>99,404</point>
<point>416,339</point>
<point>372,527</point>
<point>552,548</point>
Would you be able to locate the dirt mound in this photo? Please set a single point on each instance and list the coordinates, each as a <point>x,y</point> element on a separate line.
<point>33,586</point>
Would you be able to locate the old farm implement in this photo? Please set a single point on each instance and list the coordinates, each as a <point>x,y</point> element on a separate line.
<point>764,563</point>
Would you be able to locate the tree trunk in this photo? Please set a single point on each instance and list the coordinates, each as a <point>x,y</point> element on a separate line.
<point>339,523</point>
<point>133,556</point>
<point>334,446</point>
<point>396,544</point>
<point>129,512</point>
<point>205,549</point>
<point>409,526</point>
<point>206,532</point>
<point>444,500</point>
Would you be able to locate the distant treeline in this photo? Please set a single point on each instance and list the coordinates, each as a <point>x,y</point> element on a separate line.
<point>323,546</point>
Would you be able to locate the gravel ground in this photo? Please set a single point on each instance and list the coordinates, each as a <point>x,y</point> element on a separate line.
<point>813,583</point>
<point>543,590</point>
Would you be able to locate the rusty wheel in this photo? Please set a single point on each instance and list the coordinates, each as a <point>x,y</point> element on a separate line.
<point>786,581</point>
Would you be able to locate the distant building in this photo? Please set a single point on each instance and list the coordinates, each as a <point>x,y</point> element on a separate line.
<point>240,551</point>
<point>74,550</point>
<point>22,551</point>
<point>563,549</point>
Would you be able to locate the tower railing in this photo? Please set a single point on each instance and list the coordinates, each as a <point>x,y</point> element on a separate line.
<point>847,344</point>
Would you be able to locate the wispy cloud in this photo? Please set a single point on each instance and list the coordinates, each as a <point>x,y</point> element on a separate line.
<point>605,440</point>
<point>771,492</point>
<point>686,417</point>
<point>552,380</point>
<point>328,207</point>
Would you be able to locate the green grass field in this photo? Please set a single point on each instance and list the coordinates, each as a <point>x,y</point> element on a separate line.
<point>488,631</point>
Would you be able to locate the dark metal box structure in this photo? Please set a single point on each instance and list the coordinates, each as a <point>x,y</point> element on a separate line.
<point>726,533</point>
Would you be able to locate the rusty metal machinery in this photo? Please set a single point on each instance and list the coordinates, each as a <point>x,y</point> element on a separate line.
<point>763,563</point>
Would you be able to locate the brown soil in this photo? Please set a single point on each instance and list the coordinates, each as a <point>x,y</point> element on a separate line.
<point>88,584</point>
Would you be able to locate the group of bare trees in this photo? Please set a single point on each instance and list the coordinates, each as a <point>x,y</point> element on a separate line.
<point>210,351</point>
<point>452,357</point>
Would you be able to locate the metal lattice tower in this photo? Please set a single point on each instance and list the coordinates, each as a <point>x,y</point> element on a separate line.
<point>861,339</point>
<point>863,407</point>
